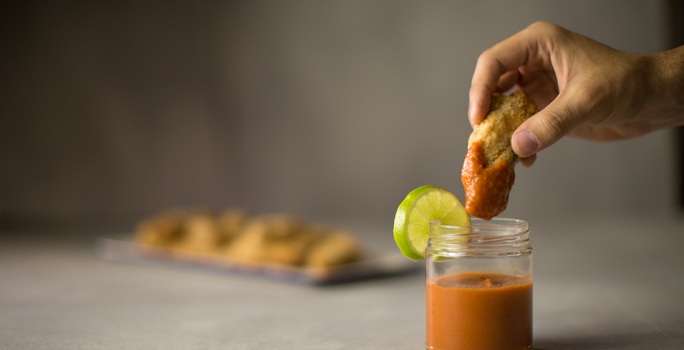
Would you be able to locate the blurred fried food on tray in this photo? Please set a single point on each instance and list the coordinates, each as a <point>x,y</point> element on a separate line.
<point>261,239</point>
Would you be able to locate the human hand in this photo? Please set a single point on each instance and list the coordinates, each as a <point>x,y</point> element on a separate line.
<point>583,88</point>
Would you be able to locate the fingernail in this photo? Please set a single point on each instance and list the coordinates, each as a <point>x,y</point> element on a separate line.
<point>526,143</point>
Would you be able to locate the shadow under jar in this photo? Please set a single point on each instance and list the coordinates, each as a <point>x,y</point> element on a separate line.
<point>478,285</point>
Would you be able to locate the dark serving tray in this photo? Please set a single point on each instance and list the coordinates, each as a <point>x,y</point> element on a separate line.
<point>120,250</point>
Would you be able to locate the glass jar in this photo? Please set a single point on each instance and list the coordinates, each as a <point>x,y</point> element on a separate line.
<point>478,285</point>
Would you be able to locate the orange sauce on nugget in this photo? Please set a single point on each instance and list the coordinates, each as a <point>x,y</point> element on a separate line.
<point>486,189</point>
<point>479,311</point>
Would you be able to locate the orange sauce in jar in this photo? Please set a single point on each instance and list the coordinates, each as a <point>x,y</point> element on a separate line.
<point>486,189</point>
<point>479,311</point>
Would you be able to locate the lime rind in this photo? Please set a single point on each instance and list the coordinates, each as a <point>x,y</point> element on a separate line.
<point>420,207</point>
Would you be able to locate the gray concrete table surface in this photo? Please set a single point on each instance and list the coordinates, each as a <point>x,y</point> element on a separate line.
<point>606,284</point>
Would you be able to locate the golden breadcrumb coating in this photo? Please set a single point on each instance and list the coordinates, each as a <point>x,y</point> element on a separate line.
<point>487,173</point>
<point>495,131</point>
<point>161,230</point>
<point>258,239</point>
<point>337,248</point>
<point>230,223</point>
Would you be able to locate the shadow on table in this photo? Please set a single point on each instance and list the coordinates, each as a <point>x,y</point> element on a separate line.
<point>361,280</point>
<point>610,341</point>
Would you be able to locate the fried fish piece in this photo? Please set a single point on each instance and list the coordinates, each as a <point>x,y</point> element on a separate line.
<point>338,247</point>
<point>488,173</point>
<point>269,238</point>
<point>250,245</point>
<point>293,250</point>
<point>161,230</point>
<point>274,239</point>
<point>281,226</point>
<point>202,233</point>
<point>230,224</point>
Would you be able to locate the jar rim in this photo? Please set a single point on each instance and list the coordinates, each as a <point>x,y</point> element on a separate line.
<point>489,237</point>
<point>496,227</point>
<point>501,223</point>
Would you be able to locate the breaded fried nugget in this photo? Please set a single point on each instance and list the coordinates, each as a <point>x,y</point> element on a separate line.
<point>505,115</point>
<point>230,223</point>
<point>262,239</point>
<point>487,173</point>
<point>337,248</point>
<point>293,250</point>
<point>282,225</point>
<point>269,238</point>
<point>251,244</point>
<point>161,230</point>
<point>202,234</point>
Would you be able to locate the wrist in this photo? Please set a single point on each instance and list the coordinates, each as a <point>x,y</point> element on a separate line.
<point>662,93</point>
<point>667,84</point>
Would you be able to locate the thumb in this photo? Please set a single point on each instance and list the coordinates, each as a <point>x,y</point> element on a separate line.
<point>546,127</point>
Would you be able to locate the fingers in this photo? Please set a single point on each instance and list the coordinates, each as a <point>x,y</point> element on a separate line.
<point>504,57</point>
<point>507,81</point>
<point>527,162</point>
<point>491,65</point>
<point>564,114</point>
<point>480,97</point>
<point>540,85</point>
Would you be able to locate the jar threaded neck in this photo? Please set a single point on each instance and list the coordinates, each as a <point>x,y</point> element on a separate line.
<point>495,237</point>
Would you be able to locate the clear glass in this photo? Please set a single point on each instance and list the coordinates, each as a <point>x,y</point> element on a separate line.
<point>479,286</point>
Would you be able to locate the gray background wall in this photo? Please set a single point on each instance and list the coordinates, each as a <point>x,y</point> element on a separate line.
<point>326,109</point>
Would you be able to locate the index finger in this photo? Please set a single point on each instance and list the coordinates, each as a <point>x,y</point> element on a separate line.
<point>505,56</point>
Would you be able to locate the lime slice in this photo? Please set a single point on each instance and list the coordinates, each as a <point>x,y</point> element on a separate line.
<point>419,208</point>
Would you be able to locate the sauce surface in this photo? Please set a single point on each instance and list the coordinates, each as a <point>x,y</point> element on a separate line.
<point>486,189</point>
<point>479,311</point>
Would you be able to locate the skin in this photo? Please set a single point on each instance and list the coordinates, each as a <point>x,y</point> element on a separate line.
<point>584,89</point>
